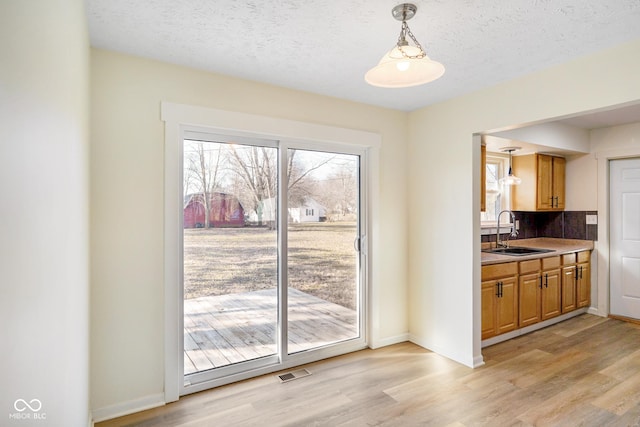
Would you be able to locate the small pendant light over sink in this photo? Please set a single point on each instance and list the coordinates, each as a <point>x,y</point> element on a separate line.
<point>404,65</point>
<point>510,179</point>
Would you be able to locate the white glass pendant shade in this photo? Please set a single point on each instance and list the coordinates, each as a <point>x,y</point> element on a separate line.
<point>405,65</point>
<point>397,70</point>
<point>510,179</point>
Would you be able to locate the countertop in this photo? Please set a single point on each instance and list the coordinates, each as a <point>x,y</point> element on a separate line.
<point>559,247</point>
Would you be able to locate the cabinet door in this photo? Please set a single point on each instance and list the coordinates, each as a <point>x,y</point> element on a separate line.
<point>558,182</point>
<point>569,278</point>
<point>544,198</point>
<point>583,288</point>
<point>530,288</point>
<point>489,291</point>
<point>550,294</point>
<point>507,306</point>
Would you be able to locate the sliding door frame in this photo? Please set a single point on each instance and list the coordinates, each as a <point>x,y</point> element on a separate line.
<point>342,347</point>
<point>291,134</point>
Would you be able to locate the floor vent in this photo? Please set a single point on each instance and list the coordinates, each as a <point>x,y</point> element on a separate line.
<point>290,376</point>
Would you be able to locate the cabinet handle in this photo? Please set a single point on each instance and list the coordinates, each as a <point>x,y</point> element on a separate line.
<point>546,280</point>
<point>557,201</point>
<point>577,273</point>
<point>498,289</point>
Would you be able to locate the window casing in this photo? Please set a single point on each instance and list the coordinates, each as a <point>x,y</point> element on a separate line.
<point>497,195</point>
<point>178,119</point>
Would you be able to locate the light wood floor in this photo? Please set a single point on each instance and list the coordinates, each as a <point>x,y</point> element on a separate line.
<point>582,372</point>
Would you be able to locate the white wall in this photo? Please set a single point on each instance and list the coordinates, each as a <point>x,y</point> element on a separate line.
<point>444,243</point>
<point>44,212</point>
<point>556,135</point>
<point>582,170</point>
<point>127,204</point>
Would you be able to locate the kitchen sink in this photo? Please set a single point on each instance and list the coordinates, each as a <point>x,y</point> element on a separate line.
<point>517,251</point>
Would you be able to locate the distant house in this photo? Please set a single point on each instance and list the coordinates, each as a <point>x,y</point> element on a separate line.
<point>226,211</point>
<point>309,211</point>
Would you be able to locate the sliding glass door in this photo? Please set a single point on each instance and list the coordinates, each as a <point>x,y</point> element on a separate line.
<point>230,266</point>
<point>271,255</point>
<point>322,248</point>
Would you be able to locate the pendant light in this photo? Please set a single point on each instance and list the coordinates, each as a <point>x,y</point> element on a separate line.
<point>510,179</point>
<point>404,65</point>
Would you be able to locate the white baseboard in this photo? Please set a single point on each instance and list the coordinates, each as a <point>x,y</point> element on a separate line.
<point>596,312</point>
<point>127,408</point>
<point>478,361</point>
<point>383,342</point>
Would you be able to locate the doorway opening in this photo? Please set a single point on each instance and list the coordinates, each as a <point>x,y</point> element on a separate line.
<point>624,211</point>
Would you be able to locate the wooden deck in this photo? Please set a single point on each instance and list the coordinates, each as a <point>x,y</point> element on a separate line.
<point>227,329</point>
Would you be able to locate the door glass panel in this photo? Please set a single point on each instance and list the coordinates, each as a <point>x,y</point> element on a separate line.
<point>230,264</point>
<point>322,255</point>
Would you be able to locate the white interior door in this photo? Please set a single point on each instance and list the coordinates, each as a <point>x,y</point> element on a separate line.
<point>625,237</point>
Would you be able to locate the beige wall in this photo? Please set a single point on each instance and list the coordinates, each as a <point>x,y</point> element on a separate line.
<point>44,212</point>
<point>440,239</point>
<point>127,204</point>
<point>615,138</point>
<point>582,170</point>
<point>444,260</point>
<point>581,182</point>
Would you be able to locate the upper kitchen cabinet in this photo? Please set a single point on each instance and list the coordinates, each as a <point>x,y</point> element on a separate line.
<point>542,187</point>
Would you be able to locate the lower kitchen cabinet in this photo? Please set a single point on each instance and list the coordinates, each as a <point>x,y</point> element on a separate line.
<point>576,286</point>
<point>551,296</point>
<point>569,278</point>
<point>583,284</point>
<point>530,292</point>
<point>523,293</point>
<point>499,299</point>
<point>540,296</point>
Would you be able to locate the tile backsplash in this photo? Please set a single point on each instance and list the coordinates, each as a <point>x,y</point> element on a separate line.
<point>565,225</point>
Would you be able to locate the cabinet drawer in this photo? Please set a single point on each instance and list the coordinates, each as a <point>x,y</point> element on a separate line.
<point>551,262</point>
<point>568,259</point>
<point>495,271</point>
<point>584,256</point>
<point>529,266</point>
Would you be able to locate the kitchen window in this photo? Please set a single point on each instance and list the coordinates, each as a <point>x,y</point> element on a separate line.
<point>497,195</point>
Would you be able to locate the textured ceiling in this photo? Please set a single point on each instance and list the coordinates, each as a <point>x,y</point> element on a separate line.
<point>326,46</point>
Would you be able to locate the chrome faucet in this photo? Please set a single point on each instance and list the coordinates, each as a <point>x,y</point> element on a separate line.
<point>514,232</point>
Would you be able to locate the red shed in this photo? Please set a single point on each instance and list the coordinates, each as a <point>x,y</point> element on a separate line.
<point>226,211</point>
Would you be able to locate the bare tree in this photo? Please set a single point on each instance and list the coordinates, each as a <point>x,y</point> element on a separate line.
<point>257,169</point>
<point>203,172</point>
<point>339,190</point>
<point>250,173</point>
<point>300,182</point>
